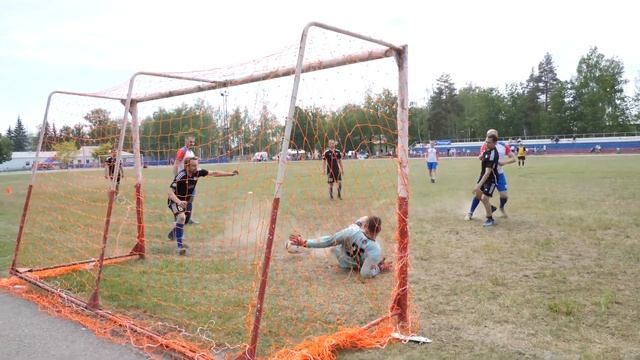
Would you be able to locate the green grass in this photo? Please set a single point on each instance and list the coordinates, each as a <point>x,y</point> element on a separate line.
<point>557,279</point>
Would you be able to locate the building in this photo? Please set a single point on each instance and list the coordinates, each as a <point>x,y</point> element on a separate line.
<point>83,158</point>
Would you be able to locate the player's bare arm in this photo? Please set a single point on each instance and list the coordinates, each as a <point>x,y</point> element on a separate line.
<point>224,173</point>
<point>510,160</point>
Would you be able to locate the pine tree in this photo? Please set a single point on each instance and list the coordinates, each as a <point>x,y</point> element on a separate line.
<point>444,109</point>
<point>547,80</point>
<point>20,137</point>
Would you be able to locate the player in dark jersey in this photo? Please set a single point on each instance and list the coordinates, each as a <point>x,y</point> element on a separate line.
<point>109,169</point>
<point>488,177</point>
<point>181,191</point>
<point>332,165</point>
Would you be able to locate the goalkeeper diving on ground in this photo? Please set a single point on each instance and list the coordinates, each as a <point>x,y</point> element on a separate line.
<point>356,247</point>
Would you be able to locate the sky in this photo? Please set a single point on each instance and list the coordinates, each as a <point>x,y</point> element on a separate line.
<point>90,45</point>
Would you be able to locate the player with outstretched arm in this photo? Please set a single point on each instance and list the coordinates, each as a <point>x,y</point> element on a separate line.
<point>356,247</point>
<point>181,191</point>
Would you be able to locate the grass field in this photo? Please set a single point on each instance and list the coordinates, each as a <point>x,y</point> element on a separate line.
<point>557,279</point>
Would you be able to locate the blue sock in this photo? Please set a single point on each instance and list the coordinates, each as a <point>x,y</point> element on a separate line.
<point>503,201</point>
<point>179,231</point>
<point>474,204</point>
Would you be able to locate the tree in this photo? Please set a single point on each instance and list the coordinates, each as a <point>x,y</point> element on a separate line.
<point>66,133</point>
<point>47,140</point>
<point>635,106</point>
<point>599,94</point>
<point>547,80</point>
<point>65,152</point>
<point>101,127</point>
<point>444,108</point>
<point>263,133</point>
<point>20,137</point>
<point>483,109</point>
<point>559,119</point>
<point>5,149</point>
<point>164,132</point>
<point>418,130</point>
<point>101,151</point>
<point>9,134</point>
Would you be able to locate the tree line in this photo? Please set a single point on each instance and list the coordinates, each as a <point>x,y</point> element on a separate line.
<point>592,101</point>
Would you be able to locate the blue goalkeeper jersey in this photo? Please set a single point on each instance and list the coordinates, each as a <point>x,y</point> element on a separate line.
<point>353,249</point>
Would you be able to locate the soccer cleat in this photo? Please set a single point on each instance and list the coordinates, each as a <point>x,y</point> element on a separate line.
<point>504,213</point>
<point>193,222</point>
<point>331,196</point>
<point>170,235</point>
<point>433,181</point>
<point>182,251</point>
<point>493,209</point>
<point>489,222</point>
<point>468,217</point>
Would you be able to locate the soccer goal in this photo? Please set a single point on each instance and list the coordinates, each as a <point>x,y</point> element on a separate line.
<point>98,238</point>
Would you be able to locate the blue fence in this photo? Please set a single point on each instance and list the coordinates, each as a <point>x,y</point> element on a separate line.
<point>218,160</point>
<point>567,146</point>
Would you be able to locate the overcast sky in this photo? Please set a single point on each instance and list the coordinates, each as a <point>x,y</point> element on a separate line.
<point>89,45</point>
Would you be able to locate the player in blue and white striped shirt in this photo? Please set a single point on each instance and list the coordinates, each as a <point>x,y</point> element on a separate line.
<point>355,247</point>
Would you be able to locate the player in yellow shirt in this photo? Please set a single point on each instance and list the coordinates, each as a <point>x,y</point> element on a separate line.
<point>522,151</point>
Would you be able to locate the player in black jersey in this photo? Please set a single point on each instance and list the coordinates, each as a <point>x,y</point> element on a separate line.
<point>182,189</point>
<point>332,165</point>
<point>488,177</point>
<point>109,169</point>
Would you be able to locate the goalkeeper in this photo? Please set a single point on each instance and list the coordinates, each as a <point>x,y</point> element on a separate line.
<point>356,247</point>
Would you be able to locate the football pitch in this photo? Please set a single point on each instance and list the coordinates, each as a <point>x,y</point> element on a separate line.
<point>558,278</point>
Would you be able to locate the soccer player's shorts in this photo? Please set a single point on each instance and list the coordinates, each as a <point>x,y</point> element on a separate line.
<point>432,165</point>
<point>520,157</point>
<point>502,182</point>
<point>488,187</point>
<point>175,208</point>
<point>333,177</point>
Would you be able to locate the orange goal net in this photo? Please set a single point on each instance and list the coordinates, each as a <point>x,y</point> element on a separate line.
<point>100,242</point>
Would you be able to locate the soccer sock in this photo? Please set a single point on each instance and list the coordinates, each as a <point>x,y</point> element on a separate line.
<point>179,233</point>
<point>339,190</point>
<point>331,191</point>
<point>503,201</point>
<point>474,204</point>
<point>189,207</point>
